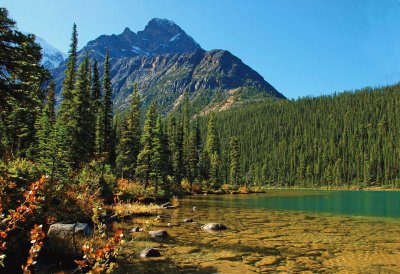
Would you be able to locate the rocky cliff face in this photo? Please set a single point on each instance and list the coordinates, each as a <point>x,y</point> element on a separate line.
<point>166,62</point>
<point>160,36</point>
<point>207,76</point>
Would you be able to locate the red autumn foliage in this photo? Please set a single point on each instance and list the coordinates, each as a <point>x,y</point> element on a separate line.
<point>20,215</point>
<point>37,236</point>
<point>99,260</point>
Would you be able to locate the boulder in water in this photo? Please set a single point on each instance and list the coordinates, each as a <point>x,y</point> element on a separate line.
<point>158,234</point>
<point>150,252</point>
<point>213,227</point>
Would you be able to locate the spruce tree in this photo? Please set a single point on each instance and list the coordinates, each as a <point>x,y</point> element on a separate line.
<point>108,113</point>
<point>98,110</point>
<point>21,82</point>
<point>166,160</point>
<point>215,163</point>
<point>83,144</point>
<point>156,155</point>
<point>212,150</point>
<point>145,168</point>
<point>96,87</point>
<point>66,118</point>
<point>212,144</point>
<point>129,142</point>
<point>234,158</point>
<point>70,73</point>
<point>175,137</point>
<point>186,137</point>
<point>193,158</point>
<point>44,131</point>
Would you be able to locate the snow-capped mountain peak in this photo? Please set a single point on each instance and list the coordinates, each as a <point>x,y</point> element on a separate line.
<point>51,56</point>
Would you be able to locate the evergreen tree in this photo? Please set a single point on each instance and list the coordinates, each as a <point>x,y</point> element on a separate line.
<point>215,163</point>
<point>156,155</point>
<point>96,87</point>
<point>166,160</point>
<point>70,73</point>
<point>145,168</point>
<point>186,138</point>
<point>83,143</point>
<point>193,158</point>
<point>212,144</point>
<point>175,137</point>
<point>44,131</point>
<point>21,79</point>
<point>129,141</point>
<point>108,113</point>
<point>234,158</point>
<point>212,151</point>
<point>66,118</point>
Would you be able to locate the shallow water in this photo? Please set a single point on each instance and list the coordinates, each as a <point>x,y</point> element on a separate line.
<point>264,235</point>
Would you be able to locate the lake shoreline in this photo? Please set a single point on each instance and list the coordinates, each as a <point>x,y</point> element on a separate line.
<point>266,189</point>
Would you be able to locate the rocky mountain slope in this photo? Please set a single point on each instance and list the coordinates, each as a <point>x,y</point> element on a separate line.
<point>166,62</point>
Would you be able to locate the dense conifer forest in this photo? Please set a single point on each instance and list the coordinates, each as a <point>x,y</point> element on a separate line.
<point>345,139</point>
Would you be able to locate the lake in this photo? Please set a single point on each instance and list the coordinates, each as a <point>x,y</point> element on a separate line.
<point>280,231</point>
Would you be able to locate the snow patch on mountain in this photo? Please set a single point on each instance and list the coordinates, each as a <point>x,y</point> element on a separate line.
<point>51,56</point>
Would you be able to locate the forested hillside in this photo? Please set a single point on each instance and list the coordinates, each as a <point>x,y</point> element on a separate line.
<point>350,138</point>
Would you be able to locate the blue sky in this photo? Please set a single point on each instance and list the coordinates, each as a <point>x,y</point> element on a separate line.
<point>302,47</point>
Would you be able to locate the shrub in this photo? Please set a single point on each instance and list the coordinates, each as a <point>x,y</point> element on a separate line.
<point>196,188</point>
<point>243,190</point>
<point>228,188</point>
<point>186,186</point>
<point>130,209</point>
<point>20,171</point>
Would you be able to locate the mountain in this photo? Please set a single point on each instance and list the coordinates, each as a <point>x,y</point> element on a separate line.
<point>51,57</point>
<point>160,36</point>
<point>166,62</point>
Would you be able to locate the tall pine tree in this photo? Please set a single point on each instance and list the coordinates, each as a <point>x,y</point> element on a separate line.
<point>84,125</point>
<point>212,151</point>
<point>66,119</point>
<point>98,110</point>
<point>234,159</point>
<point>44,131</point>
<point>129,143</point>
<point>109,145</point>
<point>145,168</point>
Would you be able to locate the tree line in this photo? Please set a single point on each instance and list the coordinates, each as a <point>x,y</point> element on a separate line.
<point>344,140</point>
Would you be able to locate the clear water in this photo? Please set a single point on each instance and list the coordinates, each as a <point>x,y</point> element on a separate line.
<point>356,203</point>
<point>276,232</point>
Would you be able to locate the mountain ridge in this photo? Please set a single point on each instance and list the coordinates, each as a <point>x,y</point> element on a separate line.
<point>166,62</point>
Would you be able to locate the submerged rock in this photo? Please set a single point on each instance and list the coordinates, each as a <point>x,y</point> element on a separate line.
<point>188,220</point>
<point>158,234</point>
<point>166,205</point>
<point>213,227</point>
<point>136,229</point>
<point>150,252</point>
<point>268,260</point>
<point>63,230</point>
